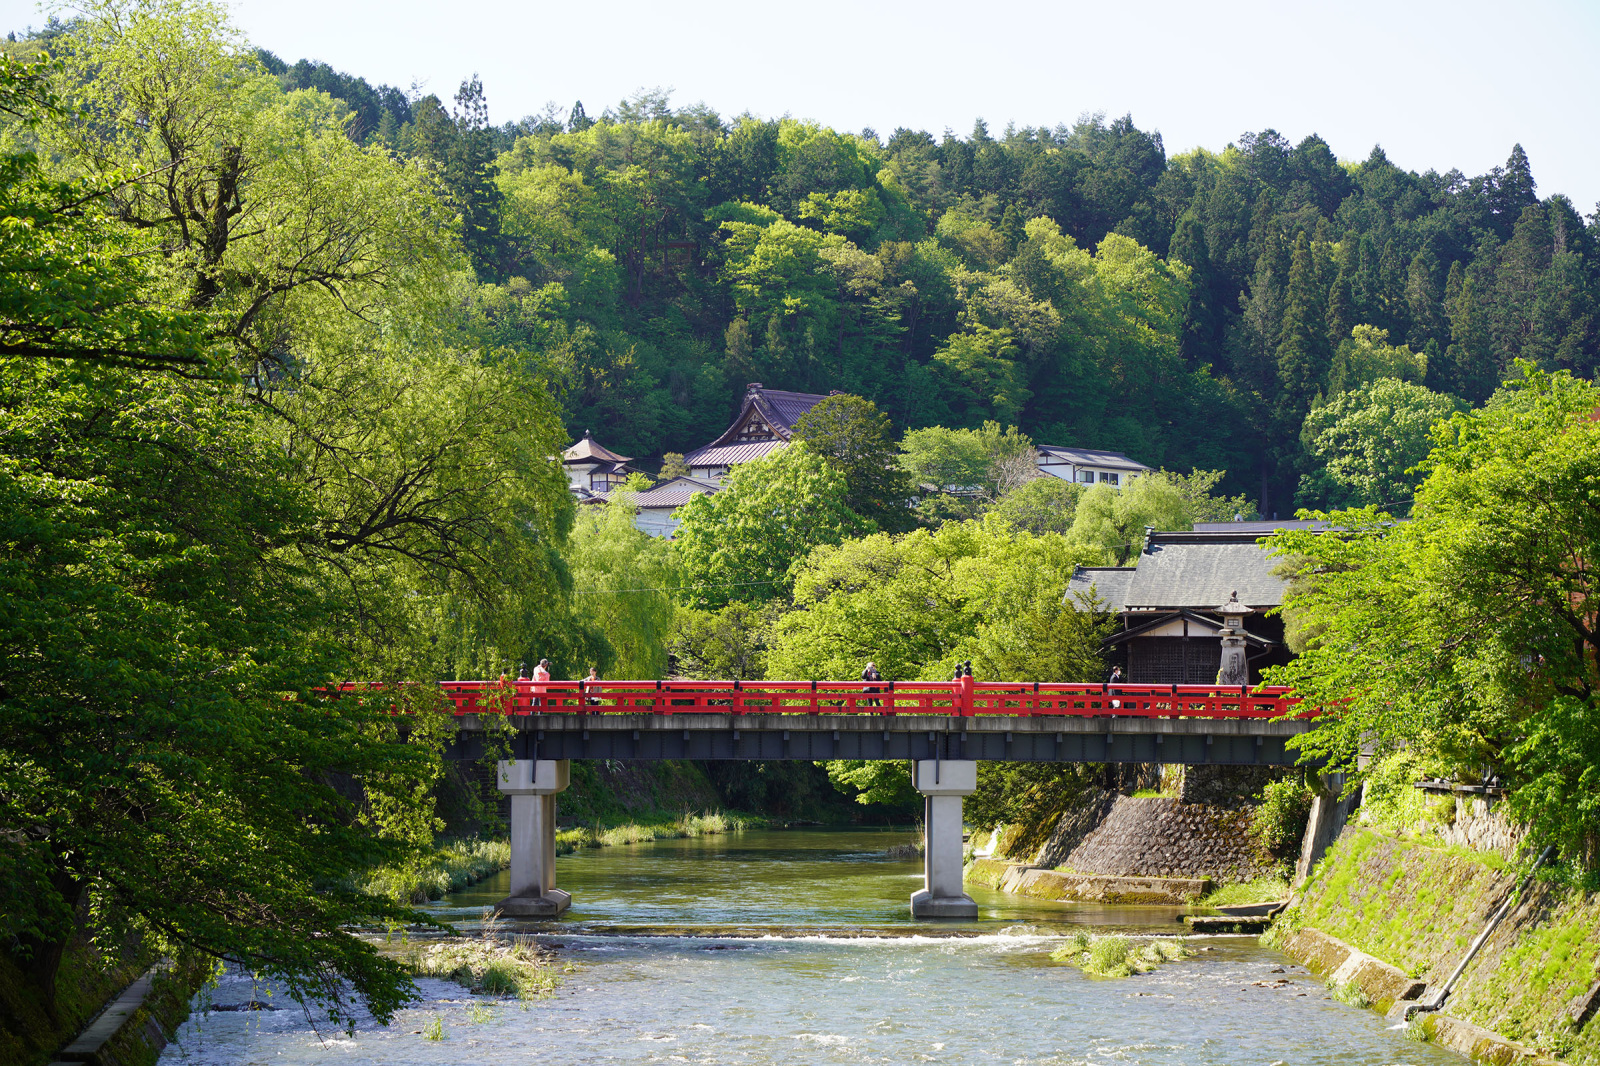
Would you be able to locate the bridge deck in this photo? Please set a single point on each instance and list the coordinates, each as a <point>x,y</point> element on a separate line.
<point>1037,738</point>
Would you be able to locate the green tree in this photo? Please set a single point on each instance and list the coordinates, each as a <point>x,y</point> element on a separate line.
<point>1113,521</point>
<point>1476,652</point>
<point>740,545</point>
<point>1367,356</point>
<point>972,467</point>
<point>917,604</point>
<point>855,439</point>
<point>157,705</point>
<point>1364,445</point>
<point>729,643</point>
<point>1042,505</point>
<point>621,580</point>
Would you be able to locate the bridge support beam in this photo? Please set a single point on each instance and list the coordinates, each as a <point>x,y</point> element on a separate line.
<point>942,783</point>
<point>532,785</point>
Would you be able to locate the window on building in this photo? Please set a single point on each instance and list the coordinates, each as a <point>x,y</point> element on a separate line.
<point>1086,477</point>
<point>1110,479</point>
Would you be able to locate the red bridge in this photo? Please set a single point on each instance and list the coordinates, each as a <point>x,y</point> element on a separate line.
<point>960,699</point>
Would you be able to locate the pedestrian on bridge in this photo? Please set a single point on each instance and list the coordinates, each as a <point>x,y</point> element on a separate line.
<point>871,674</point>
<point>541,673</point>
<point>591,686</point>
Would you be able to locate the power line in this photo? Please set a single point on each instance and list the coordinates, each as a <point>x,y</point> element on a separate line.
<point>679,588</point>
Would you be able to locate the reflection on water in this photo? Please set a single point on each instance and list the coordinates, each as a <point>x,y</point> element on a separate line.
<point>829,968</point>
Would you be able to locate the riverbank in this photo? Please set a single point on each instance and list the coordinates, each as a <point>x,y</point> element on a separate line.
<point>459,864</point>
<point>1413,904</point>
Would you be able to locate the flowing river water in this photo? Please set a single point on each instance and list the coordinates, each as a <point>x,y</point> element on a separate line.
<point>796,946</point>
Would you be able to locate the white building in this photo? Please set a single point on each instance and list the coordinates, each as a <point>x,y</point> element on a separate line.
<point>1087,466</point>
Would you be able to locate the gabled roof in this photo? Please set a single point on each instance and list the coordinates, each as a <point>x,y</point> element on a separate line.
<point>1091,457</point>
<point>778,409</point>
<point>587,450</point>
<point>1198,570</point>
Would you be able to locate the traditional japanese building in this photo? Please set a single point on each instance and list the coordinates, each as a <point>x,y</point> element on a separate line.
<point>1169,602</point>
<point>764,425</point>
<point>591,467</point>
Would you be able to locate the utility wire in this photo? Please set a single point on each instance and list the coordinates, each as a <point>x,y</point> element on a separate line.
<point>678,588</point>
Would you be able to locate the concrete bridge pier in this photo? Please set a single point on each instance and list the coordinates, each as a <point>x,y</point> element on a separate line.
<point>942,783</point>
<point>532,785</point>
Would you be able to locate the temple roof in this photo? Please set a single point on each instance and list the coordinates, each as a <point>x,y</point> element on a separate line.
<point>734,454</point>
<point>779,410</point>
<point>588,450</point>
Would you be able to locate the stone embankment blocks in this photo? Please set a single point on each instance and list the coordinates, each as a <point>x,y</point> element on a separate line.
<point>1332,958</point>
<point>1160,837</point>
<point>1038,883</point>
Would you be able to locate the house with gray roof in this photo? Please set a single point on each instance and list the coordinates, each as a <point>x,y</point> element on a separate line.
<point>1088,466</point>
<point>764,425</point>
<point>657,507</point>
<point>1168,601</point>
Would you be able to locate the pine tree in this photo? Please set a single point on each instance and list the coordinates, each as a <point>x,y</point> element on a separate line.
<point>578,120</point>
<point>1341,309</point>
<point>1473,370</point>
<point>1423,302</point>
<point>1304,353</point>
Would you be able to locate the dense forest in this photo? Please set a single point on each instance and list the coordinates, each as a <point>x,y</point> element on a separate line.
<point>1077,282</point>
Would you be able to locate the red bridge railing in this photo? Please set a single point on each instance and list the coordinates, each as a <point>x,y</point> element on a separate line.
<point>960,698</point>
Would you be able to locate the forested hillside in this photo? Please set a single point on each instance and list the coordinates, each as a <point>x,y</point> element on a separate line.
<point>1077,282</point>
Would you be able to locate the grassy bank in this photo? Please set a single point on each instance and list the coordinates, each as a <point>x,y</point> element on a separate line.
<point>1417,905</point>
<point>666,828</point>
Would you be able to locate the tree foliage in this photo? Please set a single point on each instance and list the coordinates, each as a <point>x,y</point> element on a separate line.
<point>740,545</point>
<point>1468,632</point>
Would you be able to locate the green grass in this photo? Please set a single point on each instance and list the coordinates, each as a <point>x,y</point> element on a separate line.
<point>453,866</point>
<point>1261,890</point>
<point>486,965</point>
<point>1119,956</point>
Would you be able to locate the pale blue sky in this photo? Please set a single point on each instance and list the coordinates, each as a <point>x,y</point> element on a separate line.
<point>1439,83</point>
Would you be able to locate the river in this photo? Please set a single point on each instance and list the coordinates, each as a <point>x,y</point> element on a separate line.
<point>796,947</point>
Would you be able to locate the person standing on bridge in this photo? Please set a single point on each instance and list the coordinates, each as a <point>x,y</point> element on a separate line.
<point>871,674</point>
<point>541,673</point>
<point>591,686</point>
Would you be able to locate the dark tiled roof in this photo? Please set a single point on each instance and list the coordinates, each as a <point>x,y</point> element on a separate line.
<point>588,449</point>
<point>1198,570</point>
<point>1109,583</point>
<point>789,406</point>
<point>733,454</point>
<point>1092,457</point>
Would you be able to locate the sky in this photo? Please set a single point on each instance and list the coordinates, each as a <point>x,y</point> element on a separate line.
<point>1438,84</point>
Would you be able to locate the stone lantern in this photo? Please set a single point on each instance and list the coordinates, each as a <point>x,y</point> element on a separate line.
<point>1235,668</point>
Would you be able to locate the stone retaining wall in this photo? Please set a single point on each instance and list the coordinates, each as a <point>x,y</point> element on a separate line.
<point>1159,837</point>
